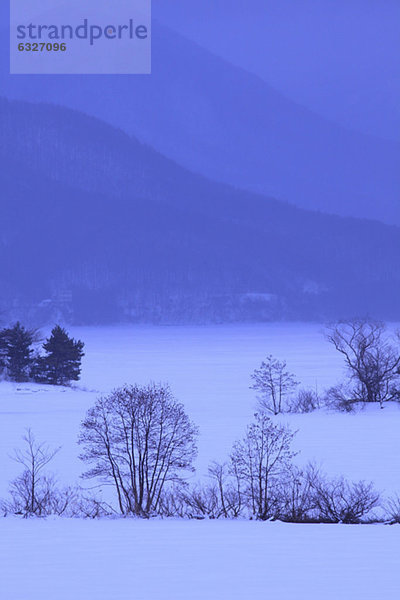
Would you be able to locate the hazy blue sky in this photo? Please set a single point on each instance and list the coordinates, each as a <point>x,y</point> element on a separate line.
<point>338,57</point>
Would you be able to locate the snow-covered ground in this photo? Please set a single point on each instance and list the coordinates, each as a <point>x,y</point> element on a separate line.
<point>209,371</point>
<point>192,560</point>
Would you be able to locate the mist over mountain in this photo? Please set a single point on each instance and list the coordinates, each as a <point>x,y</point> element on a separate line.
<point>98,226</point>
<point>338,58</point>
<point>206,191</point>
<point>228,125</point>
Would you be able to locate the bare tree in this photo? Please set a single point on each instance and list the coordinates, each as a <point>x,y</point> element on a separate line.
<point>297,495</point>
<point>33,482</point>
<point>228,487</point>
<point>138,439</point>
<point>260,461</point>
<point>35,492</point>
<point>274,384</point>
<point>372,361</point>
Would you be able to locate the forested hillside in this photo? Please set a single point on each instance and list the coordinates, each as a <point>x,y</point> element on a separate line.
<point>111,223</point>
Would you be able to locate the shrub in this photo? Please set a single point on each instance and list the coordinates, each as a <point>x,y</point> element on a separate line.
<point>306,401</point>
<point>392,509</point>
<point>338,501</point>
<point>340,398</point>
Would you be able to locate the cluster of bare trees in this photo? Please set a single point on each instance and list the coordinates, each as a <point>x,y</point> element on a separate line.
<point>140,442</point>
<point>304,496</point>
<point>372,361</point>
<point>261,482</point>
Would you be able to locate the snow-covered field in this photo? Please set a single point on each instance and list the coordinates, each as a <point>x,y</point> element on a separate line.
<point>209,371</point>
<point>192,560</point>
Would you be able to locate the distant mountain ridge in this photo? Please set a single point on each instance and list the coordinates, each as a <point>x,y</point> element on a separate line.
<point>116,231</point>
<point>230,126</point>
<point>340,59</point>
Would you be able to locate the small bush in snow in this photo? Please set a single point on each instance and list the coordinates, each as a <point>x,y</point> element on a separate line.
<point>340,398</point>
<point>305,401</point>
<point>296,494</point>
<point>219,499</point>
<point>338,501</point>
<point>392,509</point>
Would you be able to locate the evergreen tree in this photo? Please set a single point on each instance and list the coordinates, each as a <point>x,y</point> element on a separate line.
<point>3,350</point>
<point>62,362</point>
<point>16,352</point>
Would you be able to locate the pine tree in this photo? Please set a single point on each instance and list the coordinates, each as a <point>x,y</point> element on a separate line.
<point>3,350</point>
<point>16,352</point>
<point>62,362</point>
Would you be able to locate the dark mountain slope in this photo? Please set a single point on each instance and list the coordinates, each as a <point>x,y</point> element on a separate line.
<point>104,216</point>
